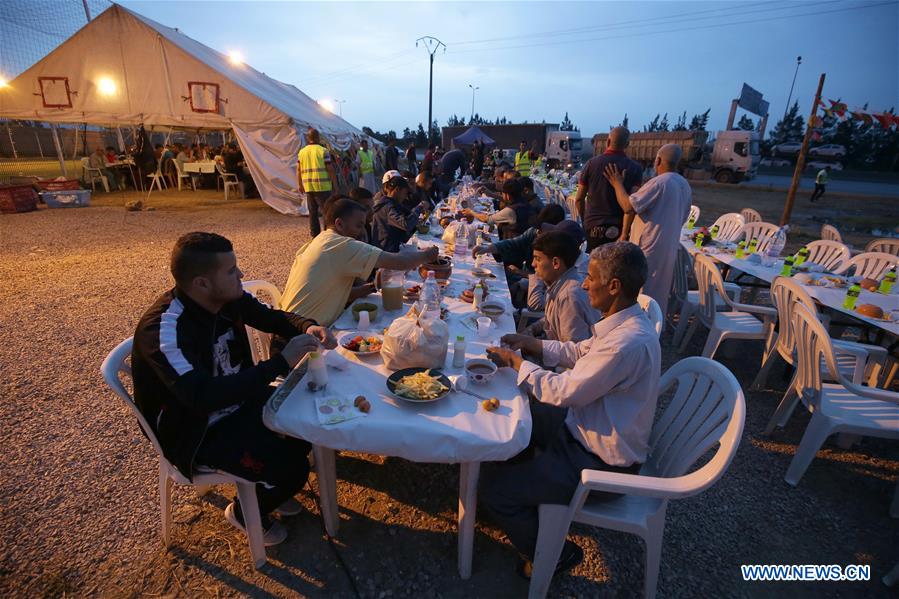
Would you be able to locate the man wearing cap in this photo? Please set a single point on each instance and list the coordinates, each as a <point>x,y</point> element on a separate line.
<point>315,177</point>
<point>555,288</point>
<point>394,220</point>
<point>366,162</point>
<point>597,206</point>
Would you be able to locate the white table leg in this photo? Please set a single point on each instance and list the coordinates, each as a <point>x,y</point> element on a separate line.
<point>468,500</point>
<point>326,472</point>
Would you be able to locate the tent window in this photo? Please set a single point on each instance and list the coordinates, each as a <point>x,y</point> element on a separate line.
<point>204,96</point>
<point>55,92</point>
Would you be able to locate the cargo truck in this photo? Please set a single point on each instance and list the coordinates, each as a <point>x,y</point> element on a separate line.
<point>732,157</point>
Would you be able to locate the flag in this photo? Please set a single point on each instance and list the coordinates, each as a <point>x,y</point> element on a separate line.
<point>862,116</point>
<point>838,107</point>
<point>817,122</point>
<point>885,120</point>
<point>828,112</point>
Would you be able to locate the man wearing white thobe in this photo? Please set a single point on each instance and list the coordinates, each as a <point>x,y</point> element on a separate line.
<point>660,207</point>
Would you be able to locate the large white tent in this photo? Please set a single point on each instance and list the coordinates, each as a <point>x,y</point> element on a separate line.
<point>124,69</point>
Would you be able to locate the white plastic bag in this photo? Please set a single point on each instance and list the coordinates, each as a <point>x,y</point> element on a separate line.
<point>411,342</point>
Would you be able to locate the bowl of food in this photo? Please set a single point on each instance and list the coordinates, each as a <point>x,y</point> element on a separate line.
<point>372,310</point>
<point>494,309</point>
<point>442,267</point>
<point>480,370</point>
<point>362,344</point>
<point>419,385</point>
<point>868,284</point>
<point>482,273</point>
<point>871,311</point>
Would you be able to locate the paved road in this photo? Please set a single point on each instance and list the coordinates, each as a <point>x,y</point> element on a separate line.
<point>874,188</point>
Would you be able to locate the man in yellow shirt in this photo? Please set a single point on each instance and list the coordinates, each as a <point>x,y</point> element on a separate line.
<point>321,280</point>
<point>366,161</point>
<point>315,177</point>
<point>523,160</point>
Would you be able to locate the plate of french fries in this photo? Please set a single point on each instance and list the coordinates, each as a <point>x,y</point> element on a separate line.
<point>419,385</point>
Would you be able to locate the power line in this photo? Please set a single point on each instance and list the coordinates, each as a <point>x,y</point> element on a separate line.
<point>620,24</point>
<point>357,67</point>
<point>676,30</point>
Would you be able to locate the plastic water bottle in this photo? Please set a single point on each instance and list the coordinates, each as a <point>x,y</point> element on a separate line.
<point>460,247</point>
<point>778,244</point>
<point>430,297</point>
<point>459,352</point>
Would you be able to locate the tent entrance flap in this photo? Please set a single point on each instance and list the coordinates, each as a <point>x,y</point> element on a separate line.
<point>270,154</point>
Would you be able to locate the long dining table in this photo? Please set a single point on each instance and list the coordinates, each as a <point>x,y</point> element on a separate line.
<point>831,297</point>
<point>455,429</point>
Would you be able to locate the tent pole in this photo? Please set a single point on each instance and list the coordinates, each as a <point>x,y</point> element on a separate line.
<point>59,154</point>
<point>118,132</point>
<point>12,144</point>
<point>40,148</point>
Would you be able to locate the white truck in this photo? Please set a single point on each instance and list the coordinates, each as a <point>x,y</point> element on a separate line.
<point>732,157</point>
<point>563,148</point>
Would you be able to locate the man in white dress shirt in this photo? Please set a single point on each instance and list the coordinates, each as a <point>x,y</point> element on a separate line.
<point>661,206</point>
<point>598,415</point>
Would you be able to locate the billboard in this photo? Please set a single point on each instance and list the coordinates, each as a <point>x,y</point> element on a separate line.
<point>751,101</point>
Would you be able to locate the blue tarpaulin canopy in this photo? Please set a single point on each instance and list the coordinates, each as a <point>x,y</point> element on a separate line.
<point>472,135</point>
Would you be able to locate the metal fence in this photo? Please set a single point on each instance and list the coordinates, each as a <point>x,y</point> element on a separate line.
<point>29,30</point>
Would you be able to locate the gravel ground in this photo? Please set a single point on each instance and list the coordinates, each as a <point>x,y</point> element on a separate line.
<point>79,513</point>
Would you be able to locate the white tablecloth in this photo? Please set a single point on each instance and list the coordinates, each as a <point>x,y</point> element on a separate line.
<point>827,296</point>
<point>454,429</point>
<point>199,167</point>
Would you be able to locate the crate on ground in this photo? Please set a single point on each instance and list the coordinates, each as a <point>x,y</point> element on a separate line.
<point>59,185</point>
<point>17,198</point>
<point>67,199</point>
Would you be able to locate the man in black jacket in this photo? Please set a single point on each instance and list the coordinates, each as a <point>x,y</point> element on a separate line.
<point>195,382</point>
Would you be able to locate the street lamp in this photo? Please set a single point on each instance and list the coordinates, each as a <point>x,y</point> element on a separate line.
<point>473,90</point>
<point>340,104</point>
<point>790,96</point>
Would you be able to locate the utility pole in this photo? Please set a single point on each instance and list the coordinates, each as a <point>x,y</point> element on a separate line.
<point>473,90</point>
<point>790,96</point>
<point>431,44</point>
<point>340,104</point>
<point>800,160</point>
<point>87,10</point>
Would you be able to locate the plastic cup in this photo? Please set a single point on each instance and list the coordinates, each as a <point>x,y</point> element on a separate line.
<point>363,320</point>
<point>484,326</point>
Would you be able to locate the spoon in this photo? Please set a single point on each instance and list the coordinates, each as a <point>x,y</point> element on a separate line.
<point>458,386</point>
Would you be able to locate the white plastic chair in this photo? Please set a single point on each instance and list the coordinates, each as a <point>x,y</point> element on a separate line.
<point>180,174</point>
<point>228,180</point>
<point>689,300</point>
<point>829,254</point>
<point>729,226</point>
<point>830,233</point>
<point>854,360</point>
<point>737,323</point>
<point>113,367</point>
<point>157,179</point>
<point>841,407</point>
<point>92,175</point>
<point>694,213</point>
<point>653,311</point>
<point>764,233</point>
<point>260,342</point>
<point>871,265</point>
<point>750,215</point>
<point>708,409</point>
<point>885,245</point>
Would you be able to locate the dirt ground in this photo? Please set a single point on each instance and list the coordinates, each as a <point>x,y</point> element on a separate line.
<point>79,509</point>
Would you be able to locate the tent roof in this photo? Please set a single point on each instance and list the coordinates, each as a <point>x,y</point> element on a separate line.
<point>471,135</point>
<point>152,66</point>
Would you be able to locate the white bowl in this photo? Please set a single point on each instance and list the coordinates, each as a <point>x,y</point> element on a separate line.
<point>480,364</point>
